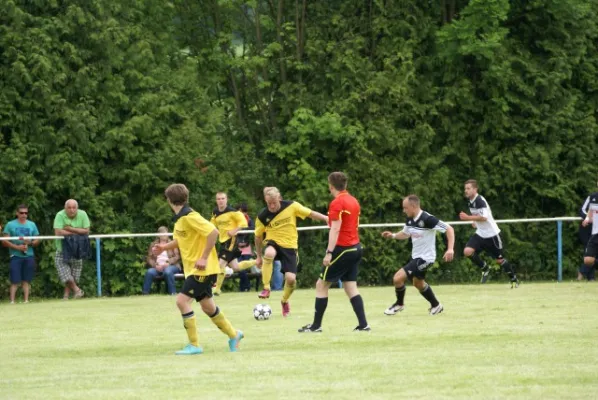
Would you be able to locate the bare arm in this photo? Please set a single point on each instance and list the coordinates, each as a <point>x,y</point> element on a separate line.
<point>335,229</point>
<point>20,247</point>
<point>466,217</point>
<point>318,216</point>
<point>62,232</point>
<point>398,235</point>
<point>450,236</point>
<point>78,231</point>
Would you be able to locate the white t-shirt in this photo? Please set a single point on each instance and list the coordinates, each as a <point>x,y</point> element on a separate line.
<point>162,259</point>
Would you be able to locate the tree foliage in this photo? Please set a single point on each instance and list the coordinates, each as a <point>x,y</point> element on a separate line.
<point>109,102</point>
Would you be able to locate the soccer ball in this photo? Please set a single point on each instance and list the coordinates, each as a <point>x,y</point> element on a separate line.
<point>262,312</point>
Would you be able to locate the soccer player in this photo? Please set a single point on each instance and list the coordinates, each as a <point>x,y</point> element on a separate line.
<point>486,237</point>
<point>278,222</point>
<point>591,253</point>
<point>229,222</point>
<point>343,253</point>
<point>195,237</point>
<point>421,227</point>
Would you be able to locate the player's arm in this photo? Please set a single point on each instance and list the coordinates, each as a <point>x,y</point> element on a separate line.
<point>335,229</point>
<point>475,218</point>
<point>588,219</point>
<point>318,216</point>
<point>398,235</point>
<point>210,243</point>
<point>583,211</point>
<point>259,237</point>
<point>450,236</point>
<point>241,223</point>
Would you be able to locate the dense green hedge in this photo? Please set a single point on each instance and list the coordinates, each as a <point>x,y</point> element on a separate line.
<point>109,102</point>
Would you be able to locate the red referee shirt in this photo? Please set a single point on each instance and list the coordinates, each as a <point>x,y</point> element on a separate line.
<point>346,209</point>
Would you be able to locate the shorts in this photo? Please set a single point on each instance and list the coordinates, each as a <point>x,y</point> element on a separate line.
<point>416,268</point>
<point>289,258</point>
<point>492,245</point>
<point>199,287</point>
<point>344,264</point>
<point>21,269</point>
<point>592,247</point>
<point>68,270</point>
<point>229,251</point>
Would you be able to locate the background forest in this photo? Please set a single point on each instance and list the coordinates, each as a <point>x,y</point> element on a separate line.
<point>109,102</point>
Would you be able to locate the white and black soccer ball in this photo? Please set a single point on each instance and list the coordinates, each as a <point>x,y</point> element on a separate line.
<point>262,312</point>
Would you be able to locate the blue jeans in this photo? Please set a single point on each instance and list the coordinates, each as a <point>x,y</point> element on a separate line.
<point>168,274</point>
<point>277,276</point>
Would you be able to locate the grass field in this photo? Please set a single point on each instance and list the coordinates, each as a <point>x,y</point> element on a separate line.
<point>535,342</point>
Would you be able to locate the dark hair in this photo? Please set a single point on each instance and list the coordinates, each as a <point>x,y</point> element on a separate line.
<point>177,193</point>
<point>472,182</point>
<point>338,180</point>
<point>22,205</point>
<point>242,207</point>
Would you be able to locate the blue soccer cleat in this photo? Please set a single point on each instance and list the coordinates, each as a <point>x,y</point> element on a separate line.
<point>189,350</point>
<point>233,344</point>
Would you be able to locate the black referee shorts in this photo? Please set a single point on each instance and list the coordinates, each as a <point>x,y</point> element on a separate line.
<point>344,264</point>
<point>592,247</point>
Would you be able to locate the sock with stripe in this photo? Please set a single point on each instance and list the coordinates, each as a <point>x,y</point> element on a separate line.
<point>400,293</point>
<point>223,324</point>
<point>429,295</point>
<point>190,326</point>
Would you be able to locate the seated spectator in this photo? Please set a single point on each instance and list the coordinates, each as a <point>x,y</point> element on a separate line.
<point>166,264</point>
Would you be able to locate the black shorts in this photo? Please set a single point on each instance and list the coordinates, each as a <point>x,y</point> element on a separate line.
<point>343,265</point>
<point>229,250</point>
<point>199,287</point>
<point>492,245</point>
<point>416,268</point>
<point>289,258</point>
<point>592,247</point>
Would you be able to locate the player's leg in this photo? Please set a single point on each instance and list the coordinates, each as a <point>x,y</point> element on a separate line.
<point>183,302</point>
<point>217,317</point>
<point>495,247</point>
<point>222,263</point>
<point>426,291</point>
<point>591,252</point>
<point>398,281</point>
<point>270,253</point>
<point>288,260</point>
<point>349,263</point>
<point>472,251</point>
<point>321,303</point>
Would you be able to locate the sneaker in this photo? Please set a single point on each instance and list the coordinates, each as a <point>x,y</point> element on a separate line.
<point>395,308</point>
<point>485,274</point>
<point>233,344</point>
<point>79,294</point>
<point>515,284</point>
<point>265,294</point>
<point>308,328</point>
<point>362,329</point>
<point>286,308</point>
<point>436,310</point>
<point>189,350</point>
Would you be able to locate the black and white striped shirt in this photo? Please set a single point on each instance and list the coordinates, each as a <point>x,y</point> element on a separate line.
<point>488,228</point>
<point>422,230</point>
<point>590,208</point>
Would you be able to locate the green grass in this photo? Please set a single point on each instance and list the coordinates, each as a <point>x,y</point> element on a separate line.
<point>538,341</point>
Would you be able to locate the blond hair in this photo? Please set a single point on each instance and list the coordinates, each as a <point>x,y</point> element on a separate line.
<point>271,191</point>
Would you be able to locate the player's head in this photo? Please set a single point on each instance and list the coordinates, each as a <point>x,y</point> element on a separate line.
<point>272,198</point>
<point>337,181</point>
<point>221,200</point>
<point>71,206</point>
<point>177,194</point>
<point>411,206</point>
<point>242,207</point>
<point>471,188</point>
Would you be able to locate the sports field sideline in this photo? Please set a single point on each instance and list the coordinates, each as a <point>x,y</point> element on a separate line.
<point>535,342</point>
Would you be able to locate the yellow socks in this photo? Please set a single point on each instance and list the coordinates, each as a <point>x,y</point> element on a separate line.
<point>191,328</point>
<point>246,264</point>
<point>219,281</point>
<point>288,291</point>
<point>223,324</point>
<point>267,272</point>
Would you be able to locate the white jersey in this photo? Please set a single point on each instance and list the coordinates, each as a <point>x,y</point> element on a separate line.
<point>422,230</point>
<point>590,208</point>
<point>485,229</point>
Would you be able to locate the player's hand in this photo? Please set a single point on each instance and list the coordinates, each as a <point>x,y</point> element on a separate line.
<point>201,264</point>
<point>387,234</point>
<point>231,233</point>
<point>474,225</point>
<point>463,216</point>
<point>448,256</point>
<point>157,249</point>
<point>258,262</point>
<point>327,259</point>
<point>585,222</point>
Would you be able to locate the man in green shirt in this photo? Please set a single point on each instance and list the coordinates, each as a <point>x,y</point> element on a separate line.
<point>70,221</point>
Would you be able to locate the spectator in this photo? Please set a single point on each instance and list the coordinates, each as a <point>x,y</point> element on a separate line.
<point>165,264</point>
<point>74,223</point>
<point>22,261</point>
<point>584,234</point>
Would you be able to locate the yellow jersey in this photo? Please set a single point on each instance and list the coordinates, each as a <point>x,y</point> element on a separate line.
<point>227,220</point>
<point>191,231</point>
<point>281,226</point>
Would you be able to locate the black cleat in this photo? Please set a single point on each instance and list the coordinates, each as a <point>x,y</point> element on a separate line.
<point>308,328</point>
<point>362,329</point>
